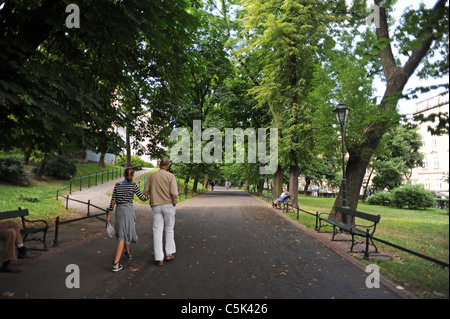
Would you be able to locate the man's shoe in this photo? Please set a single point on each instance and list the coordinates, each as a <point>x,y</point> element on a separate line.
<point>9,268</point>
<point>170,257</point>
<point>159,263</point>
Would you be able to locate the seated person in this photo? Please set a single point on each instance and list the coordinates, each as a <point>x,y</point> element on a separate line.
<point>10,235</point>
<point>282,197</point>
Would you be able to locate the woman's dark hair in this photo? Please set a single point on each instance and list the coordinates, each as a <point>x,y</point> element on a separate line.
<point>128,171</point>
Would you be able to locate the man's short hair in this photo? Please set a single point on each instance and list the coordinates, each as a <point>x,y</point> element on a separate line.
<point>164,162</point>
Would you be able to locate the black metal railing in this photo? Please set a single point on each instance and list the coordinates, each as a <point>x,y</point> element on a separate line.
<point>297,209</point>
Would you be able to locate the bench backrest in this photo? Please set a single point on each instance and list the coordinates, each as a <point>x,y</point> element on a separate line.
<point>353,212</point>
<point>14,214</point>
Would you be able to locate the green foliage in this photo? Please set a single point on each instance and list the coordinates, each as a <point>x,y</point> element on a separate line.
<point>412,197</point>
<point>135,161</point>
<point>382,199</point>
<point>11,170</point>
<point>60,167</point>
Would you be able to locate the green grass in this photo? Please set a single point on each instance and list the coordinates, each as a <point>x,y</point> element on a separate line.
<point>422,231</point>
<point>40,196</point>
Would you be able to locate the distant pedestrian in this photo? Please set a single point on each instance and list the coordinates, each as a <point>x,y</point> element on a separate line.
<point>212,185</point>
<point>227,184</point>
<point>161,187</point>
<point>125,219</point>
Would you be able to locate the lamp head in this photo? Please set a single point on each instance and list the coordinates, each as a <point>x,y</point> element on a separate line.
<point>341,112</point>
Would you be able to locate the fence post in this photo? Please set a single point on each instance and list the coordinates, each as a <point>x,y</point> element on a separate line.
<point>89,204</point>
<point>67,202</point>
<point>317,221</point>
<point>55,241</point>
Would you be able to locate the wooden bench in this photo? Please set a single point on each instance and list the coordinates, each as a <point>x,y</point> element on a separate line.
<point>288,202</point>
<point>366,231</point>
<point>28,230</point>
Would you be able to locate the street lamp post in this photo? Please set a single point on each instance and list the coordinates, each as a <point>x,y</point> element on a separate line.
<point>341,112</point>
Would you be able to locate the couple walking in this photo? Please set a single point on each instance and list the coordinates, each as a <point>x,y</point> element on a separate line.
<point>161,189</point>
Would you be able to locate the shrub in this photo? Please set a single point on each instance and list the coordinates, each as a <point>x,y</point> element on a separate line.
<point>383,199</point>
<point>135,161</point>
<point>60,167</point>
<point>412,197</point>
<point>11,170</point>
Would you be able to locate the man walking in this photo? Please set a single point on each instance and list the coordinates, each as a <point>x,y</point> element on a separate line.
<point>161,187</point>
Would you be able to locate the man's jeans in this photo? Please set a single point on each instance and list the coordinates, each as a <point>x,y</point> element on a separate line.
<point>163,220</point>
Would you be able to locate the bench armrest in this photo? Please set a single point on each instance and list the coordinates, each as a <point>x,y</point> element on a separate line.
<point>33,221</point>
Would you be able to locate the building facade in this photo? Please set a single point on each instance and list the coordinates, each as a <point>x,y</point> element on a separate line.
<point>434,174</point>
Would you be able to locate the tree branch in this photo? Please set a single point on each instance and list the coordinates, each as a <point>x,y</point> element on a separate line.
<point>418,53</point>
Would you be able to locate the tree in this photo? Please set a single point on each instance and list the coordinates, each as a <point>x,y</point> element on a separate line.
<point>283,37</point>
<point>57,84</point>
<point>417,40</point>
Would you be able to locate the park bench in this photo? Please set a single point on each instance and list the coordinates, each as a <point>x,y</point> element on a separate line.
<point>288,202</point>
<point>25,231</point>
<point>366,231</point>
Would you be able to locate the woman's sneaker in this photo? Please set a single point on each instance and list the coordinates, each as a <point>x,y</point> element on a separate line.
<point>117,267</point>
<point>128,255</point>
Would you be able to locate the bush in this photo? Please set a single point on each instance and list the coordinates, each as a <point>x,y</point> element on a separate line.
<point>11,170</point>
<point>412,197</point>
<point>382,199</point>
<point>60,167</point>
<point>135,161</point>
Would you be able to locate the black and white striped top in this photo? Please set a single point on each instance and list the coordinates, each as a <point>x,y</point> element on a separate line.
<point>124,193</point>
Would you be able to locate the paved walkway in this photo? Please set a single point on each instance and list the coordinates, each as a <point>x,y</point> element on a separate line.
<point>230,245</point>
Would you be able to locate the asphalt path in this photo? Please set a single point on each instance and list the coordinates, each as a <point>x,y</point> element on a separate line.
<point>230,245</point>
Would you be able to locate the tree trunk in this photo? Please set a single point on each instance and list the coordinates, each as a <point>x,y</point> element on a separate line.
<point>101,161</point>
<point>307,183</point>
<point>197,175</point>
<point>128,144</point>
<point>278,182</point>
<point>293,182</point>
<point>40,170</point>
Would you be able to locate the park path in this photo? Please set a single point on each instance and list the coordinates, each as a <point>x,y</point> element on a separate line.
<point>230,245</point>
<point>99,195</point>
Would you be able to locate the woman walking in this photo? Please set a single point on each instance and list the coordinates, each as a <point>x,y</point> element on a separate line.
<point>125,220</point>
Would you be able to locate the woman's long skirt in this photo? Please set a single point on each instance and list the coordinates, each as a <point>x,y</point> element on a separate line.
<point>125,223</point>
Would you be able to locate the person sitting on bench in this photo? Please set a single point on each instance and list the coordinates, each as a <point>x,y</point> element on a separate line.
<point>282,197</point>
<point>10,234</point>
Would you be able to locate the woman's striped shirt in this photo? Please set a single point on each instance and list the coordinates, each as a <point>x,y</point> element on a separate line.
<point>124,193</point>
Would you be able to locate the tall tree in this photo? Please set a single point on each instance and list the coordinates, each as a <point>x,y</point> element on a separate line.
<point>283,37</point>
<point>57,84</point>
<point>421,31</point>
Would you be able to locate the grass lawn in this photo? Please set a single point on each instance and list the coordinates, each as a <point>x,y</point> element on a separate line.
<point>40,196</point>
<point>423,231</point>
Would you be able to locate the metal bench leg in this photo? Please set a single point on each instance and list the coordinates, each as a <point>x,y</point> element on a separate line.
<point>366,253</point>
